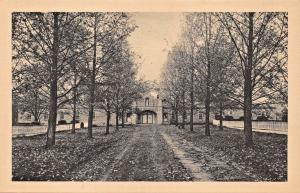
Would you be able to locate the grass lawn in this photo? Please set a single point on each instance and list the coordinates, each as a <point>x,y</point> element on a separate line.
<point>265,161</point>
<point>32,161</point>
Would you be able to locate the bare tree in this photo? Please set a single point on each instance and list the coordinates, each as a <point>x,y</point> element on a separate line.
<point>174,82</point>
<point>46,42</point>
<point>260,40</point>
<point>108,29</point>
<point>205,34</point>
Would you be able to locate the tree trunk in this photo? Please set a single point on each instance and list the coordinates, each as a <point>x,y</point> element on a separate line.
<point>117,119</point>
<point>90,121</point>
<point>192,102</point>
<point>53,86</point>
<point>123,119</point>
<point>207,101</point>
<point>221,116</point>
<point>176,117</point>
<point>107,121</point>
<point>248,87</point>
<point>74,100</point>
<point>183,110</point>
<point>36,116</point>
<point>92,87</point>
<point>15,113</point>
<point>176,111</point>
<point>74,117</point>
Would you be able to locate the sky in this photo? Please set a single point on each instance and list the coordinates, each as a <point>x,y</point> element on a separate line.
<point>154,37</point>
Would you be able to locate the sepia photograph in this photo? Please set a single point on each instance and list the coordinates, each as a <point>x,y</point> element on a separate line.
<point>149,96</point>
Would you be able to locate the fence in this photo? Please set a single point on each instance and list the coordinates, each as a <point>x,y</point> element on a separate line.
<point>261,126</point>
<point>39,129</point>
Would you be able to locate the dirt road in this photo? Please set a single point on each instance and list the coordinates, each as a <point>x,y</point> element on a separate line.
<point>142,156</point>
<point>154,153</point>
<point>150,153</point>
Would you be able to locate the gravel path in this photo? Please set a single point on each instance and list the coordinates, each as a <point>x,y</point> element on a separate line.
<point>143,155</point>
<point>186,159</point>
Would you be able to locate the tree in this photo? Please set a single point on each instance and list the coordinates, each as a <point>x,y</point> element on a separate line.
<point>132,91</point>
<point>47,42</point>
<point>260,40</point>
<point>174,82</point>
<point>170,92</point>
<point>125,88</point>
<point>189,49</point>
<point>118,87</point>
<point>224,82</point>
<point>27,92</point>
<point>107,29</point>
<point>80,76</point>
<point>30,98</point>
<point>205,34</point>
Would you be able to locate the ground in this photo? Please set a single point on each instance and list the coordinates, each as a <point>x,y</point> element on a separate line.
<point>151,153</point>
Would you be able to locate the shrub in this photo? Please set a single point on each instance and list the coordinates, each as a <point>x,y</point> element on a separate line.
<point>285,117</point>
<point>262,118</point>
<point>61,122</point>
<point>23,124</point>
<point>217,117</point>
<point>228,118</point>
<point>35,123</point>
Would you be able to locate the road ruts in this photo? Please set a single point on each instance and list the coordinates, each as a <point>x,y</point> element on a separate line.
<point>147,157</point>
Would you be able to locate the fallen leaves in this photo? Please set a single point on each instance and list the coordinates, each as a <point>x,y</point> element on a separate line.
<point>74,157</point>
<point>33,162</point>
<point>265,161</point>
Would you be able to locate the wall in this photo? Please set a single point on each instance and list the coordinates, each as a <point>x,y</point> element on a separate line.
<point>260,125</point>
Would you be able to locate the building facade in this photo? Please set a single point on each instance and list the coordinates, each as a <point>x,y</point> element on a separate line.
<point>151,109</point>
<point>147,110</point>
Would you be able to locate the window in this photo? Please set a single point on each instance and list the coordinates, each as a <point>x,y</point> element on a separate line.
<point>45,116</point>
<point>147,101</point>
<point>128,114</point>
<point>200,116</point>
<point>94,115</point>
<point>61,115</point>
<point>165,116</point>
<point>28,117</point>
<point>77,115</point>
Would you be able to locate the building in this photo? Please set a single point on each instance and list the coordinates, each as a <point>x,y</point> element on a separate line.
<point>152,109</point>
<point>272,112</point>
<point>148,110</point>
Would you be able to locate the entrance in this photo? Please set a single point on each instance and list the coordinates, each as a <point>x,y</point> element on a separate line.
<point>147,117</point>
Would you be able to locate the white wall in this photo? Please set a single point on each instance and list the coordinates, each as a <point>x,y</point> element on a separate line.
<point>260,125</point>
